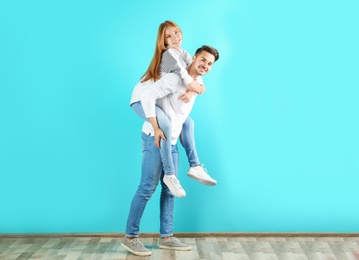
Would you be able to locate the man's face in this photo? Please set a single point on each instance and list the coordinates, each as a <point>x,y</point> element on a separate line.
<point>203,62</point>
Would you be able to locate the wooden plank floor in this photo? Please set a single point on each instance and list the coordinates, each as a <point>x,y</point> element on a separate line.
<point>241,248</point>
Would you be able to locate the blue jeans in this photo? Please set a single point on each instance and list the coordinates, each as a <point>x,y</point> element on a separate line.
<point>152,173</point>
<point>187,141</point>
<point>187,137</point>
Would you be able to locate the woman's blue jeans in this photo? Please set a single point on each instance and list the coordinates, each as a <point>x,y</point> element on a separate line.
<point>188,143</point>
<point>187,137</point>
<point>152,174</point>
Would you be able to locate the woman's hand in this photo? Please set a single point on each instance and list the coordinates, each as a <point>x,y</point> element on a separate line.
<point>187,96</point>
<point>195,86</point>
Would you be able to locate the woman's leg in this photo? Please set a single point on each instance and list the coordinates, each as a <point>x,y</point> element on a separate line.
<point>164,123</point>
<point>196,171</point>
<point>166,127</point>
<point>188,142</point>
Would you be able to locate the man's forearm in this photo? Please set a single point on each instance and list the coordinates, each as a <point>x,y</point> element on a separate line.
<point>149,107</point>
<point>154,123</point>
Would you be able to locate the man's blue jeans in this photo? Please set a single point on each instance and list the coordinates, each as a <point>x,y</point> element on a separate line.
<point>152,173</point>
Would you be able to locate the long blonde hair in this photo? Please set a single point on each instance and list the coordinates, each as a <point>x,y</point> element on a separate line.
<point>153,70</point>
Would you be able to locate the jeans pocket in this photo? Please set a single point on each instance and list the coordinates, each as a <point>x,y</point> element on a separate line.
<point>147,142</point>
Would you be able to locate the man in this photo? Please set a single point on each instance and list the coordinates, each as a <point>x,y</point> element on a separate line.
<point>152,171</point>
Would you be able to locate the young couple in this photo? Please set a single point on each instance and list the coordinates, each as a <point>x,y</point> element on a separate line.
<point>164,98</point>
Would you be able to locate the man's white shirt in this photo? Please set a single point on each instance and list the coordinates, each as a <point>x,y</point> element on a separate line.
<point>176,110</point>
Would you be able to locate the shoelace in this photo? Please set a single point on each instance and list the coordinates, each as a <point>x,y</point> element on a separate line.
<point>136,243</point>
<point>175,182</point>
<point>174,239</point>
<point>202,165</point>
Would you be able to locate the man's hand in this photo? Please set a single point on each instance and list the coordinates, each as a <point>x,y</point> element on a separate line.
<point>158,136</point>
<point>186,97</point>
<point>158,131</point>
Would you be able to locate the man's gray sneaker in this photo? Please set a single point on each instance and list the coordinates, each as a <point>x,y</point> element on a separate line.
<point>135,247</point>
<point>174,244</point>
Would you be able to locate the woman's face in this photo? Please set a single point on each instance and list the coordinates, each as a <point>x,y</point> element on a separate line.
<point>173,37</point>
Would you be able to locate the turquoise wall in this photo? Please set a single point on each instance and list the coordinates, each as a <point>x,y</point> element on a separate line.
<point>277,127</point>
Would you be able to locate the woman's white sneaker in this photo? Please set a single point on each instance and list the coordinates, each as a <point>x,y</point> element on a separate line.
<point>200,174</point>
<point>174,185</point>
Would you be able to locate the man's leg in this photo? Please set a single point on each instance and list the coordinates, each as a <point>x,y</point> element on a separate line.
<point>167,201</point>
<point>167,240</point>
<point>151,173</point>
<point>196,171</point>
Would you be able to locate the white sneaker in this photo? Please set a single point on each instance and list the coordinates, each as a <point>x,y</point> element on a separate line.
<point>200,174</point>
<point>174,185</point>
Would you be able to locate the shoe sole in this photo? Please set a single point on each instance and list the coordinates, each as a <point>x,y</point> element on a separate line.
<point>205,182</point>
<point>176,248</point>
<point>136,252</point>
